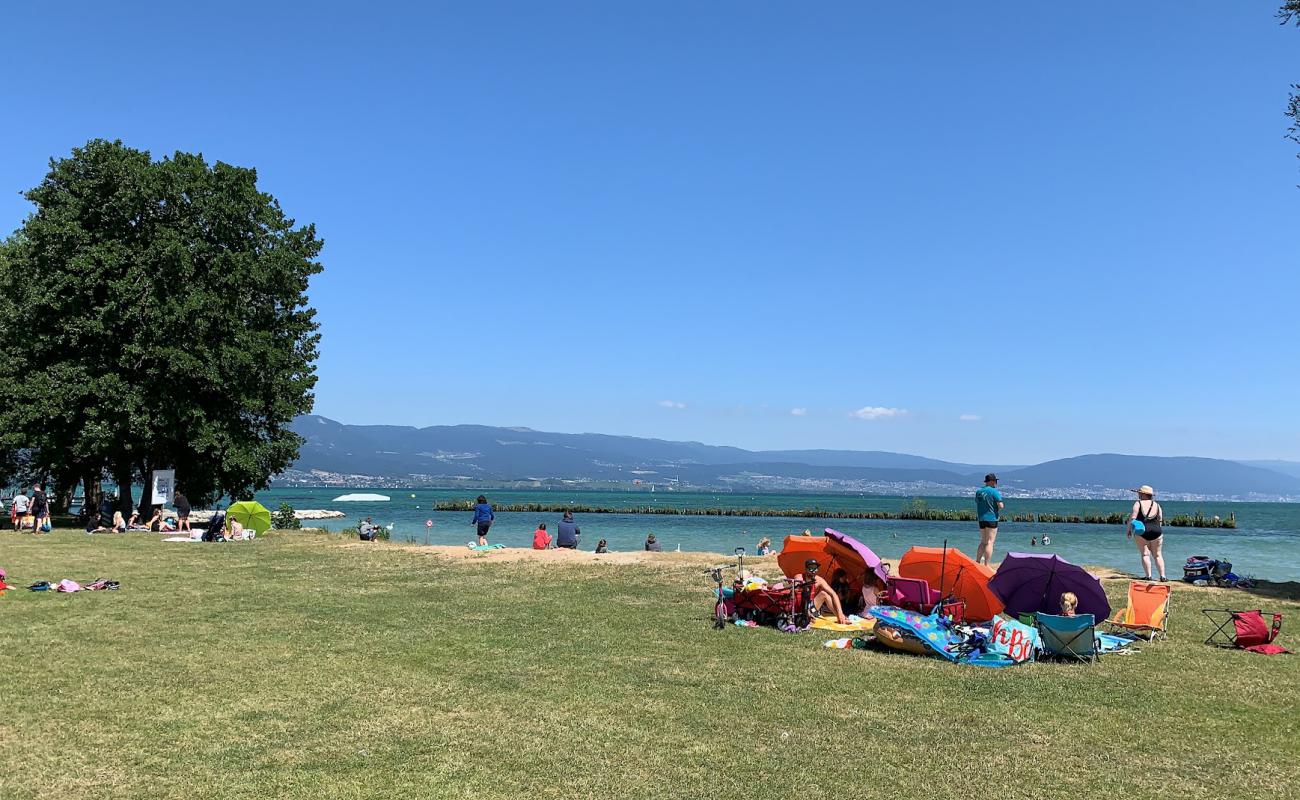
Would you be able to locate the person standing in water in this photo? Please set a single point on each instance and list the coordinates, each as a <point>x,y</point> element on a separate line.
<point>988,506</point>
<point>1150,536</point>
<point>483,517</point>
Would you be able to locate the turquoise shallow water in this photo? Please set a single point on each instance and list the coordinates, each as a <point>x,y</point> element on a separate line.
<point>1265,544</point>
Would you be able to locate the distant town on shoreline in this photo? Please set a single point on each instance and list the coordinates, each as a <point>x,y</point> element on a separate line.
<point>485,457</point>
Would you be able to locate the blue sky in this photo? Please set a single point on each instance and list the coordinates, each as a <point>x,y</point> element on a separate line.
<point>1003,233</point>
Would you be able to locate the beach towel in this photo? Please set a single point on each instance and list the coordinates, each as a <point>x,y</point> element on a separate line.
<point>482,547</point>
<point>1013,639</point>
<point>1116,643</point>
<point>854,625</point>
<point>182,539</point>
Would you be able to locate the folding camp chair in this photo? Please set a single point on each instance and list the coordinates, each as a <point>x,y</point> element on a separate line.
<point>916,594</point>
<point>1069,637</point>
<point>1147,612</point>
<point>1241,628</point>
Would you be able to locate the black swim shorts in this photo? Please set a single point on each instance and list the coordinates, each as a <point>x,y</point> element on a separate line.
<point>988,523</point>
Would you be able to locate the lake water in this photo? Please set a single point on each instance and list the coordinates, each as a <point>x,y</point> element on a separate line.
<point>1265,544</point>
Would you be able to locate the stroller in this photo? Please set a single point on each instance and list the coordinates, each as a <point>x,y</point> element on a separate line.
<point>215,532</point>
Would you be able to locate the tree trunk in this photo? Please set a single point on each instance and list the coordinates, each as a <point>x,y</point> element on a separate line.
<point>123,475</point>
<point>146,494</point>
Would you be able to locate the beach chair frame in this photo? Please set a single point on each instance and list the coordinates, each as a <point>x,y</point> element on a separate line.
<point>1078,645</point>
<point>1148,632</point>
<point>1225,630</point>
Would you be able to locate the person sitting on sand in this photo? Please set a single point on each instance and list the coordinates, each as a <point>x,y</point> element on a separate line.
<point>765,546</point>
<point>652,544</point>
<point>568,533</point>
<point>541,539</point>
<point>602,547</point>
<point>1069,604</point>
<point>824,597</point>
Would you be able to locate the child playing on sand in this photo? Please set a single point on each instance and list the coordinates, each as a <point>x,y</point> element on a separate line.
<point>765,547</point>
<point>1069,602</point>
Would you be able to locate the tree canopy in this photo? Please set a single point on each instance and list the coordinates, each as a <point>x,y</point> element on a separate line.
<point>157,317</point>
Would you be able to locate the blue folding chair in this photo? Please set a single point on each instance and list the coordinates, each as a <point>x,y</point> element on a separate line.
<point>1069,637</point>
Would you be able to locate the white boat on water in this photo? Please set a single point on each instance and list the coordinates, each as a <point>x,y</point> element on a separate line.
<point>361,498</point>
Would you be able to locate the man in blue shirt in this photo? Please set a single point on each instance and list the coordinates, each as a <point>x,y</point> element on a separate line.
<point>568,533</point>
<point>988,504</point>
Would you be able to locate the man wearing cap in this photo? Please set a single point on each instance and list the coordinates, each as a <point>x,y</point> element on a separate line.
<point>988,505</point>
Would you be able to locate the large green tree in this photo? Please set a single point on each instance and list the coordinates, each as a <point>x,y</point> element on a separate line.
<point>1290,13</point>
<point>158,310</point>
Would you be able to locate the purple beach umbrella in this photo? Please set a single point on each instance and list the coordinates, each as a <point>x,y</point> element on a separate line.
<point>1033,582</point>
<point>869,558</point>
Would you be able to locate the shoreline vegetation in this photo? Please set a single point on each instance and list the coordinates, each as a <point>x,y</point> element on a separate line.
<point>916,509</point>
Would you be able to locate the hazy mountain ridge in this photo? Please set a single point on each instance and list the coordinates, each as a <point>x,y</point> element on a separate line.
<point>510,454</point>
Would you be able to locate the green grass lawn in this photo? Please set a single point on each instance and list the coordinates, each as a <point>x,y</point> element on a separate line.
<point>295,666</point>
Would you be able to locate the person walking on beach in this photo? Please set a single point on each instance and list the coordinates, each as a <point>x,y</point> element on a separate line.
<point>483,517</point>
<point>988,506</point>
<point>1147,521</point>
<point>567,534</point>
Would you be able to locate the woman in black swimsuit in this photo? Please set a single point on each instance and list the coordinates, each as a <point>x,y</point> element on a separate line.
<point>1147,511</point>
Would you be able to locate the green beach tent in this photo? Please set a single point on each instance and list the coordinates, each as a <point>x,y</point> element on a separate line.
<point>251,514</point>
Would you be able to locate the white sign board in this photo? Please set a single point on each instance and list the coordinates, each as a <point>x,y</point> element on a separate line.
<point>164,486</point>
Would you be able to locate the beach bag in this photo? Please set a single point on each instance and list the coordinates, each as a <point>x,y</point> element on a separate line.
<point>1197,568</point>
<point>45,527</point>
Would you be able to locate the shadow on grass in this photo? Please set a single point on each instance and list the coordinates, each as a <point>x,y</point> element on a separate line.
<point>1275,590</point>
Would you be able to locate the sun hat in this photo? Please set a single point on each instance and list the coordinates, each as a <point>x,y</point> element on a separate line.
<point>1144,489</point>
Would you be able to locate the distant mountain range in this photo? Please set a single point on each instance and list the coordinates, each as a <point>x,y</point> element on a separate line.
<point>335,452</point>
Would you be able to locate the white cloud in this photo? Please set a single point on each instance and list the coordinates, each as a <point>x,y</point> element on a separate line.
<point>671,404</point>
<point>878,412</point>
<point>798,412</point>
<point>970,418</point>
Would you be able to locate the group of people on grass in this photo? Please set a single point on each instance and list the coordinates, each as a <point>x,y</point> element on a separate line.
<point>101,514</point>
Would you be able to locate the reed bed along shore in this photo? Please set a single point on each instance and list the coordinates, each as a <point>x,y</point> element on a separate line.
<point>915,510</point>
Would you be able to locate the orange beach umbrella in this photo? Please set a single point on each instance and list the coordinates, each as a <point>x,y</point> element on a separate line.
<point>832,553</point>
<point>952,572</point>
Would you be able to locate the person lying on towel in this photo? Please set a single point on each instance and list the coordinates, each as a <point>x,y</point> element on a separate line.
<point>824,597</point>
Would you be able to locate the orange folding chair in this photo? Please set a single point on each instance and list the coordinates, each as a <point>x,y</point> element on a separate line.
<point>1147,612</point>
